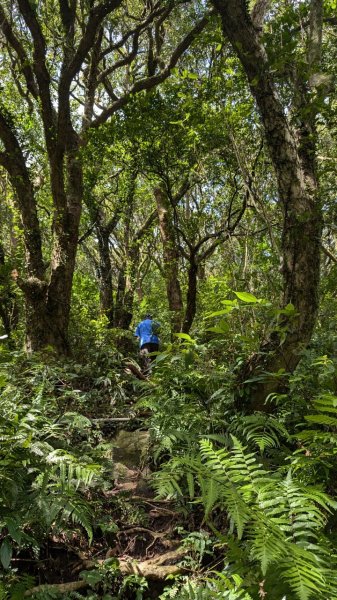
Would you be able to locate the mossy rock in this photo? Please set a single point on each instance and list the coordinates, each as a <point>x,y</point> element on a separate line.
<point>131,447</point>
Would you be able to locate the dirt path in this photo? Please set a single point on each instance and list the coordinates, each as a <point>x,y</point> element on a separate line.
<point>139,531</point>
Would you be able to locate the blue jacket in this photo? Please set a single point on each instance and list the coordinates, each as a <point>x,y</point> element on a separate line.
<point>144,332</point>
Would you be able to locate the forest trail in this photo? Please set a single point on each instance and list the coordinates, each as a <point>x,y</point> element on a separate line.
<point>140,529</point>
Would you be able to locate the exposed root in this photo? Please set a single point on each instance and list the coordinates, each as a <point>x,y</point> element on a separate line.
<point>154,569</point>
<point>71,586</point>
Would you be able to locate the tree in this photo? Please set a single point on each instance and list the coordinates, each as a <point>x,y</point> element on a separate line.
<point>74,66</point>
<point>292,145</point>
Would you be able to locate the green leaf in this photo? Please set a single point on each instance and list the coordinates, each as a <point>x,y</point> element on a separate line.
<point>6,551</point>
<point>218,329</point>
<point>247,297</point>
<point>185,336</point>
<point>322,420</point>
<point>92,577</point>
<point>218,313</point>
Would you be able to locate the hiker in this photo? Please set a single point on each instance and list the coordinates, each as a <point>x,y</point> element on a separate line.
<point>146,332</point>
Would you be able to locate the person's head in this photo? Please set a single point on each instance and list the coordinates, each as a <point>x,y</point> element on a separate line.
<point>148,315</point>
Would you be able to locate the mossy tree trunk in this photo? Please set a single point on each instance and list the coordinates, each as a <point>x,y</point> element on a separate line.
<point>293,156</point>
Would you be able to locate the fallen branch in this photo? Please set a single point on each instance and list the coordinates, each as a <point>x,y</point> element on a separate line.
<point>131,368</point>
<point>154,503</point>
<point>108,419</point>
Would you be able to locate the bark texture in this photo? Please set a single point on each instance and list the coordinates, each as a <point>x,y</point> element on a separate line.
<point>293,157</point>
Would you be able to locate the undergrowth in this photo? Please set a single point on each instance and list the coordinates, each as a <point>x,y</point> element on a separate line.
<point>256,492</point>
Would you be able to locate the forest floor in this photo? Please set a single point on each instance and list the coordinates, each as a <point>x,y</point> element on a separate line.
<point>139,530</point>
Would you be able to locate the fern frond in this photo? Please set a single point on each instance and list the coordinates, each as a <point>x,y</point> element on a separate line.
<point>305,516</point>
<point>210,493</point>
<point>326,403</point>
<point>302,573</point>
<point>237,508</point>
<point>80,513</point>
<point>264,431</point>
<point>165,484</point>
<point>268,543</point>
<point>322,420</point>
<point>220,479</point>
<point>245,469</point>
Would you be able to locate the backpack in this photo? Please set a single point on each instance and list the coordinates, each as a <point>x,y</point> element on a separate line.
<point>155,328</point>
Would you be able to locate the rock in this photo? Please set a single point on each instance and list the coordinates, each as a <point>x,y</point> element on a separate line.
<point>123,473</point>
<point>130,448</point>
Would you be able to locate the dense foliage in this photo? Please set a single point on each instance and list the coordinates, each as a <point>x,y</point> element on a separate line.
<point>178,159</point>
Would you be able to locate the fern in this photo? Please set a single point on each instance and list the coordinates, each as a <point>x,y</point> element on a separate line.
<point>302,573</point>
<point>263,431</point>
<point>80,513</point>
<point>268,542</point>
<point>3,592</point>
<point>218,586</point>
<point>17,590</point>
<point>281,520</point>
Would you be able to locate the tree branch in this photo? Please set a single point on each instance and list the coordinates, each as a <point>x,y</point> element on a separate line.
<point>40,69</point>
<point>148,83</point>
<point>97,14</point>
<point>329,254</point>
<point>13,161</point>
<point>72,64</point>
<point>143,229</point>
<point>14,42</point>
<point>258,13</point>
<point>92,81</point>
<point>209,251</point>
<point>67,13</point>
<point>123,61</point>
<point>315,34</point>
<point>137,30</point>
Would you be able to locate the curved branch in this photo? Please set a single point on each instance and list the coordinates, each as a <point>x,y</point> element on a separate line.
<point>123,61</point>
<point>13,161</point>
<point>259,12</point>
<point>40,69</point>
<point>148,83</point>
<point>157,12</point>
<point>15,43</point>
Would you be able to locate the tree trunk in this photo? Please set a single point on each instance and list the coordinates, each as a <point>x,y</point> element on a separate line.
<point>121,285</point>
<point>191,297</point>
<point>105,274</point>
<point>293,156</point>
<point>171,259</point>
<point>48,303</point>
<point>130,285</point>
<point>9,312</point>
<point>126,288</point>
